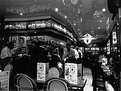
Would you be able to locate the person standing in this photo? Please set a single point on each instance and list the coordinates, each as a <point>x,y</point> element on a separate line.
<point>70,53</point>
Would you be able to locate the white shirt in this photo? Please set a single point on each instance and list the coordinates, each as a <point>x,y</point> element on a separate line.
<point>6,52</point>
<point>76,53</point>
<point>73,53</point>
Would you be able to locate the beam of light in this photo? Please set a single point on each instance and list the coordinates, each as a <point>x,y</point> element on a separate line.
<point>63,2</point>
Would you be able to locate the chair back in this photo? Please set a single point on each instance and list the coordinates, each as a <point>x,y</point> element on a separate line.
<point>25,83</point>
<point>9,68</point>
<point>53,72</point>
<point>57,84</point>
<point>84,85</point>
<point>108,86</point>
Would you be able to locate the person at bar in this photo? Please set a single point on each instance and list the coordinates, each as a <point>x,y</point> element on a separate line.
<point>70,53</point>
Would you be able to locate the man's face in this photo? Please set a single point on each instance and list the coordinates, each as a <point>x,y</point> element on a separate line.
<point>104,61</point>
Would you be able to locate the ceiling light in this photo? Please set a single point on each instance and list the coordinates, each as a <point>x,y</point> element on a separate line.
<point>56,9</point>
<point>103,9</point>
<point>98,27</point>
<point>117,23</point>
<point>65,16</point>
<point>100,20</point>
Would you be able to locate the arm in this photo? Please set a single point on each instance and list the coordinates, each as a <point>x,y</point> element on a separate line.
<point>4,54</point>
<point>65,56</point>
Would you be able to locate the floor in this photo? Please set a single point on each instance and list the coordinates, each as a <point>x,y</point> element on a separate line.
<point>87,75</point>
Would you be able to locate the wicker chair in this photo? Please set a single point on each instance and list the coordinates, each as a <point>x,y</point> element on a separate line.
<point>25,83</point>
<point>53,72</point>
<point>9,68</point>
<point>57,84</point>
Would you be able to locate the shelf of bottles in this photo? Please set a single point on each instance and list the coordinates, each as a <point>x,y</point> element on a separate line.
<point>95,48</point>
<point>37,25</point>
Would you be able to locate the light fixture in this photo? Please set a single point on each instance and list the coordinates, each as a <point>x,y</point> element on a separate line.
<point>21,13</point>
<point>56,9</point>
<point>74,23</point>
<point>65,16</point>
<point>103,9</point>
<point>87,38</point>
<point>98,27</point>
<point>100,20</point>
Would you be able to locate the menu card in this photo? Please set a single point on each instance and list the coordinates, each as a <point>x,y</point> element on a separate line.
<point>71,73</point>
<point>42,71</point>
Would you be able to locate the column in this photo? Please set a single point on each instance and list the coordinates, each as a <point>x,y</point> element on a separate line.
<point>119,40</point>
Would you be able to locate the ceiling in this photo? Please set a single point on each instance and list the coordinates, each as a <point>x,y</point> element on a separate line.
<point>86,16</point>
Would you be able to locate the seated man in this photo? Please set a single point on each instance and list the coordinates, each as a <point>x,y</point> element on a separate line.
<point>6,54</point>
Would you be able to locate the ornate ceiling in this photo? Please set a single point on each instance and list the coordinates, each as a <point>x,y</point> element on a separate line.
<point>86,16</point>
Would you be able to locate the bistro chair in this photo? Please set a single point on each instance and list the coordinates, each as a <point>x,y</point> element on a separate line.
<point>100,83</point>
<point>108,86</point>
<point>25,83</point>
<point>57,84</point>
<point>53,72</point>
<point>84,85</point>
<point>9,68</point>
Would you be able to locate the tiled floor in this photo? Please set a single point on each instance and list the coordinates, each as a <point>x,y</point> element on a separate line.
<point>87,75</point>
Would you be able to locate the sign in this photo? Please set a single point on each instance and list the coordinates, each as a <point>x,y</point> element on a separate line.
<point>87,38</point>
<point>41,72</point>
<point>4,81</point>
<point>71,73</point>
<point>114,37</point>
